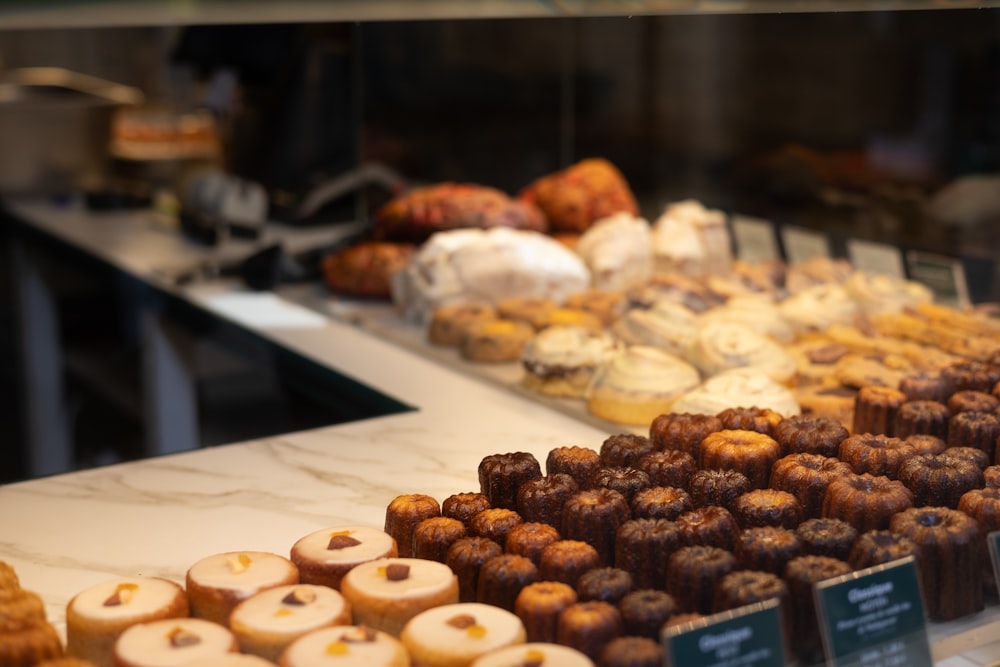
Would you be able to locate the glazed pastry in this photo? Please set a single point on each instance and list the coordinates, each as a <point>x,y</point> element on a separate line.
<point>865,501</point>
<point>495,341</point>
<point>562,360</point>
<point>667,325</point>
<point>457,634</point>
<point>172,641</point>
<point>741,387</point>
<point>325,556</point>
<point>574,198</point>
<point>449,323</point>
<point>403,514</point>
<point>539,604</point>
<point>749,452</point>
<point>346,646</point>
<point>723,346</point>
<point>365,269</point>
<point>217,583</point>
<point>618,251</point>
<point>540,653</point>
<point>500,476</point>
<point>875,454</point>
<point>683,431</point>
<point>502,578</point>
<point>690,239</point>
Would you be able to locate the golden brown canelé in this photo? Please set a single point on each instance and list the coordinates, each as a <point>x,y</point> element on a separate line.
<point>825,536</point>
<point>711,526</point>
<point>494,524</point>
<point>661,502</point>
<point>631,651</point>
<point>761,420</point>
<point>939,479</point>
<point>810,435</point>
<point>767,507</point>
<point>26,642</point>
<point>608,584</point>
<point>502,578</point>
<point>806,476</point>
<point>626,481</point>
<point>875,454</point>
<point>801,575</point>
<point>865,501</point>
<point>567,560</point>
<point>983,505</point>
<point>682,431</point>
<point>767,548</point>
<point>465,558</point>
<point>529,538</point>
<point>434,536</point>
<point>748,452</point>
<point>877,547</point>
<point>542,499</point>
<point>692,573</point>
<point>644,612</point>
<point>593,516</point>
<point>500,476</point>
<point>975,429</point>
<point>449,323</point>
<point>588,626</point>
<point>950,556</point>
<point>642,547</point>
<point>875,409</point>
<point>463,506</point>
<point>70,661</point>
<point>623,450</point>
<point>580,463</point>
<point>717,487</point>
<point>972,401</point>
<point>402,516</point>
<point>922,417</point>
<point>669,467</point>
<point>539,604</point>
<point>992,476</point>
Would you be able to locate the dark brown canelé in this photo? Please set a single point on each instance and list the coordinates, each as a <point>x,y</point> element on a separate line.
<point>950,556</point>
<point>683,431</point>
<point>644,612</point>
<point>827,537</point>
<point>589,626</point>
<point>939,479</point>
<point>767,507</point>
<point>748,452</point>
<point>642,547</point>
<point>402,516</point>
<point>991,475</point>
<point>529,538</point>
<point>539,604</point>
<point>434,536</point>
<point>875,409</point>
<point>542,499</point>
<point>494,524</point>
<point>972,401</point>
<point>875,454</point>
<point>810,435</point>
<point>925,443</point>
<point>464,506</point>
<point>465,558</point>
<point>926,386</point>
<point>712,526</point>
<point>865,501</point>
<point>608,584</point>
<point>500,475</point>
<point>692,573</point>
<point>623,450</point>
<point>593,516</point>
<point>661,502</point>
<point>669,467</point>
<point>717,487</point>
<point>580,463</point>
<point>626,481</point>
<point>973,455</point>
<point>923,417</point>
<point>566,560</point>
<point>877,547</point>
<point>983,505</point>
<point>502,578</point>
<point>975,429</point>
<point>631,651</point>
<point>806,476</point>
<point>767,548</point>
<point>742,587</point>
<point>761,420</point>
<point>972,374</point>
<point>801,575</point>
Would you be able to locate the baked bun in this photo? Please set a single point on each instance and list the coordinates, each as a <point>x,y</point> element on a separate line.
<point>722,346</point>
<point>618,251</point>
<point>638,384</point>
<point>365,269</point>
<point>562,360</point>
<point>576,197</point>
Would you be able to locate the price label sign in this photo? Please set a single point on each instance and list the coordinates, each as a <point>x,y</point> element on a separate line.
<point>755,239</point>
<point>750,636</point>
<point>874,618</point>
<point>802,244</point>
<point>876,257</point>
<point>993,543</point>
<point>944,275</point>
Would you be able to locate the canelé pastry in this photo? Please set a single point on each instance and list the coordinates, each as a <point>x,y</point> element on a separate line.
<point>450,322</point>
<point>692,573</point>
<point>267,622</point>
<point>683,431</point>
<point>717,487</point>
<point>865,501</point>
<point>69,661</point>
<point>645,611</point>
<point>875,409</point>
<point>922,417</point>
<point>434,536</point>
<point>217,583</point>
<point>743,587</point>
<point>454,635</point>
<point>574,198</point>
<point>606,304</point>
<point>825,536</point>
<point>767,548</point>
<point>661,502</point>
<point>18,604</point>
<point>593,516</point>
<point>8,577</point>
<point>926,386</point>
<point>588,626</point>
<point>950,557</point>
<point>876,547</point>
<point>365,269</point>
<point>638,384</point>
<point>762,420</point>
<point>495,341</point>
<point>325,556</point>
<point>748,452</point>
<point>529,538</point>
<point>463,506</point>
<point>561,360</point>
<point>767,507</point>
<point>927,444</point>
<point>831,401</point>
<point>631,651</point>
<point>566,560</point>
<point>97,615</point>
<point>172,641</point>
<point>975,429</point>
<point>972,401</point>
<point>711,526</point>
<point>983,505</point>
<point>346,646</point>
<point>875,454</point>
<point>465,558</point>
<point>801,575</point>
<point>973,374</point>
<point>939,480</point>
<point>642,547</point>
<point>530,310</point>
<point>973,455</point>
<point>500,475</point>
<point>608,584</point>
<point>626,481</point>
<point>534,653</point>
<point>27,641</point>
<point>404,513</point>
<point>539,604</point>
<point>992,476</point>
<point>667,325</point>
<point>621,450</point>
<point>494,524</point>
<point>386,593</point>
<point>669,467</point>
<point>502,577</point>
<point>580,463</point>
<point>806,476</point>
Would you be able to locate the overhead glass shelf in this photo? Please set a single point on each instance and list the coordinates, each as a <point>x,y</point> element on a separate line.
<point>22,14</point>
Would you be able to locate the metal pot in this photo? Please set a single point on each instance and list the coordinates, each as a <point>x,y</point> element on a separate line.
<point>55,126</point>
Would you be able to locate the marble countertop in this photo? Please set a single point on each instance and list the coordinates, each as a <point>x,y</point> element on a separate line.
<point>158,516</point>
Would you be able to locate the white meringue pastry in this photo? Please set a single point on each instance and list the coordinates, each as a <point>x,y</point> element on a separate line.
<point>738,388</point>
<point>723,346</point>
<point>618,251</point>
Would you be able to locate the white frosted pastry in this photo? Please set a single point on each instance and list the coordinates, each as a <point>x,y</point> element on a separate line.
<point>171,642</point>
<point>561,360</point>
<point>759,313</point>
<point>740,388</point>
<point>485,266</point>
<point>723,346</point>
<point>345,646</point>
<point>232,660</point>
<point>384,594</point>
<point>217,583</point>
<point>668,325</point>
<point>325,556</point>
<point>814,271</point>
<point>691,239</point>
<point>618,250</point>
<point>265,623</point>
<point>881,293</point>
<point>540,654</point>
<point>96,616</point>
<point>639,384</point>
<point>817,308</point>
<point>456,634</point>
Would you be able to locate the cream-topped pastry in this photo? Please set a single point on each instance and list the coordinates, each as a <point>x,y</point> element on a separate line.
<point>537,654</point>
<point>668,325</point>
<point>738,388</point>
<point>618,251</point>
<point>173,641</point>
<point>816,308</point>
<point>232,660</point>
<point>456,634</point>
<point>96,616</point>
<point>691,239</point>
<point>882,293</point>
<point>217,583</point>
<point>757,312</point>
<point>386,593</point>
<point>561,360</point>
<point>638,384</point>
<point>325,556</point>
<point>723,346</point>
<point>345,646</point>
<point>266,622</point>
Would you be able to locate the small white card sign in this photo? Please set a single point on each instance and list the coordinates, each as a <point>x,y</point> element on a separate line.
<point>876,257</point>
<point>802,244</point>
<point>944,275</point>
<point>755,239</point>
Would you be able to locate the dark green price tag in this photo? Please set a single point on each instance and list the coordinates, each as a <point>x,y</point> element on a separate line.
<point>750,636</point>
<point>874,618</point>
<point>993,543</point>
